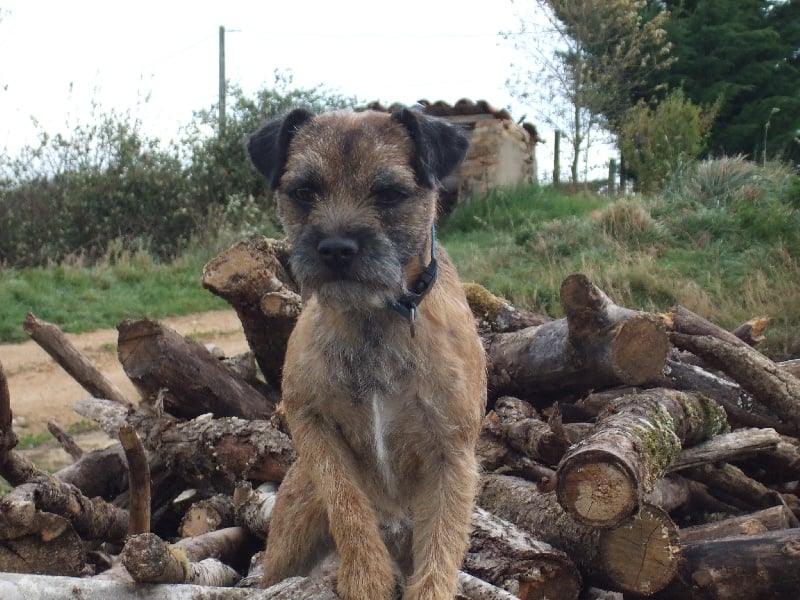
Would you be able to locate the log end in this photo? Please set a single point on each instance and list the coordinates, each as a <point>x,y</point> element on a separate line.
<point>639,350</point>
<point>597,490</point>
<point>641,554</point>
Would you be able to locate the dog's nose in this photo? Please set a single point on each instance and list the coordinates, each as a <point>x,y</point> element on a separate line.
<point>337,251</point>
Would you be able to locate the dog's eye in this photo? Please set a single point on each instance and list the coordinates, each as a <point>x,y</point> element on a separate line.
<point>390,196</point>
<point>303,195</point>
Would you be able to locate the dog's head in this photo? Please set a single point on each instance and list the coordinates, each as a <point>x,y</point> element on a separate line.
<point>356,194</point>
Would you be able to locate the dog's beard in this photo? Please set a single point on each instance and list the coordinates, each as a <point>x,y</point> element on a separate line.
<point>374,278</point>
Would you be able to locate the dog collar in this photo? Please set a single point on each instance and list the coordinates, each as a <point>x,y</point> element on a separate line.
<point>406,305</point>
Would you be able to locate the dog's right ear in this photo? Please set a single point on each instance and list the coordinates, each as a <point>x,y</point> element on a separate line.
<point>268,147</point>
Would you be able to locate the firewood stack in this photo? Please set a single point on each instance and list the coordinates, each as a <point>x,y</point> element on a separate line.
<point>626,454</point>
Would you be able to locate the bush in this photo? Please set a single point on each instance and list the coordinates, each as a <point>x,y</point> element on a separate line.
<point>105,183</point>
<point>655,142</point>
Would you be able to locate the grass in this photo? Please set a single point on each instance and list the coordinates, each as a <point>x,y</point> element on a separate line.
<point>83,298</point>
<point>722,239</point>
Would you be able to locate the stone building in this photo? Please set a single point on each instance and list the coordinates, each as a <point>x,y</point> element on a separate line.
<point>501,152</point>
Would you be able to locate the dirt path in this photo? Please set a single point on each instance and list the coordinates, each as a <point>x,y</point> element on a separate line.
<point>41,390</point>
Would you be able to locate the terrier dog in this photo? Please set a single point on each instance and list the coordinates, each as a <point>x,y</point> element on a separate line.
<point>384,381</point>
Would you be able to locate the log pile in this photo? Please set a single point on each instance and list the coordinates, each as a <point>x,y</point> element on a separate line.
<point>625,454</point>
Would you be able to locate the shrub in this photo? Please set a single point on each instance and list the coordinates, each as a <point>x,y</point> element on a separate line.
<point>655,142</point>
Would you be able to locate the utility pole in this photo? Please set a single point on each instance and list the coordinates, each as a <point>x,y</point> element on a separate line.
<point>222,84</point>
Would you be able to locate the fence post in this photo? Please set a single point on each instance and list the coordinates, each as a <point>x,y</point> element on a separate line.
<point>612,176</point>
<point>556,158</point>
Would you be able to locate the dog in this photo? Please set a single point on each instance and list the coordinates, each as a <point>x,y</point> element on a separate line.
<point>384,380</point>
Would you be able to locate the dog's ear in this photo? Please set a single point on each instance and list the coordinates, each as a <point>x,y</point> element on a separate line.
<point>439,146</point>
<point>268,147</point>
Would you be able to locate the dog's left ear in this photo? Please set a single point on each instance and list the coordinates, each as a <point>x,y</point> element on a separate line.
<point>439,146</point>
<point>268,147</point>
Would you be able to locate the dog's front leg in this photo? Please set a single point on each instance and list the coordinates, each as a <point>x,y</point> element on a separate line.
<point>441,524</point>
<point>365,571</point>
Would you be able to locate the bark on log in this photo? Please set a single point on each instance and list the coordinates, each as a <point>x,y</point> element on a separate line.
<point>729,483</point>
<point>98,473</point>
<point>639,556</point>
<point>29,508</point>
<point>736,445</point>
<point>674,492</point>
<point>604,478</point>
<point>510,558</point>
<point>72,360</point>
<point>495,314</point>
<point>149,559</point>
<point>738,404</point>
<point>766,381</point>
<point>598,344</point>
<point>162,363</point>
<point>253,508</point>
<point>64,439</point>
<point>8,439</point>
<point>253,277</point>
<point>744,567</point>
<point>682,320</point>
<point>204,451</point>
<point>62,554</point>
<point>13,585</point>
<point>138,480</point>
<point>791,366</point>
<point>775,518</point>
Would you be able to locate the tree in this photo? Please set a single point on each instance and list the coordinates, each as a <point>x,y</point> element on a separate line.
<point>219,163</point>
<point>746,53</point>
<point>605,56</point>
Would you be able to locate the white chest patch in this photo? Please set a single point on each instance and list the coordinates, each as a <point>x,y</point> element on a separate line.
<point>379,418</point>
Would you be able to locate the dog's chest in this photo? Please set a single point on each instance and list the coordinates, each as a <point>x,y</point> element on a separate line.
<point>372,393</point>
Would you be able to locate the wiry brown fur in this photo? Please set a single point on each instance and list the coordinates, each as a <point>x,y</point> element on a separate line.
<point>384,422</point>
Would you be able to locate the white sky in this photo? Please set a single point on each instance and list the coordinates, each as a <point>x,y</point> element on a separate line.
<point>160,59</point>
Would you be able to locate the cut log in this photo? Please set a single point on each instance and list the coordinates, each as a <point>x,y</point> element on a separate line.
<point>742,411</point>
<point>495,314</point>
<point>29,508</point>
<point>204,452</point>
<point>98,473</point>
<point>791,366</point>
<point>64,439</point>
<point>682,320</point>
<point>640,555</point>
<point>743,567</point>
<point>138,480</point>
<point>253,276</point>
<point>162,364</point>
<point>604,478</point>
<point>253,507</point>
<point>768,519</point>
<point>766,382</point>
<point>729,483</point>
<point>149,559</point>
<point>504,555</point>
<point>598,344</point>
<point>207,515</point>
<point>13,585</point>
<point>677,493</point>
<point>62,554</point>
<point>7,437</point>
<point>736,445</point>
<point>72,360</point>
<point>752,332</point>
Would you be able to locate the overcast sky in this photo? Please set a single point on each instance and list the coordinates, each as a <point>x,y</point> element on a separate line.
<point>160,59</point>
